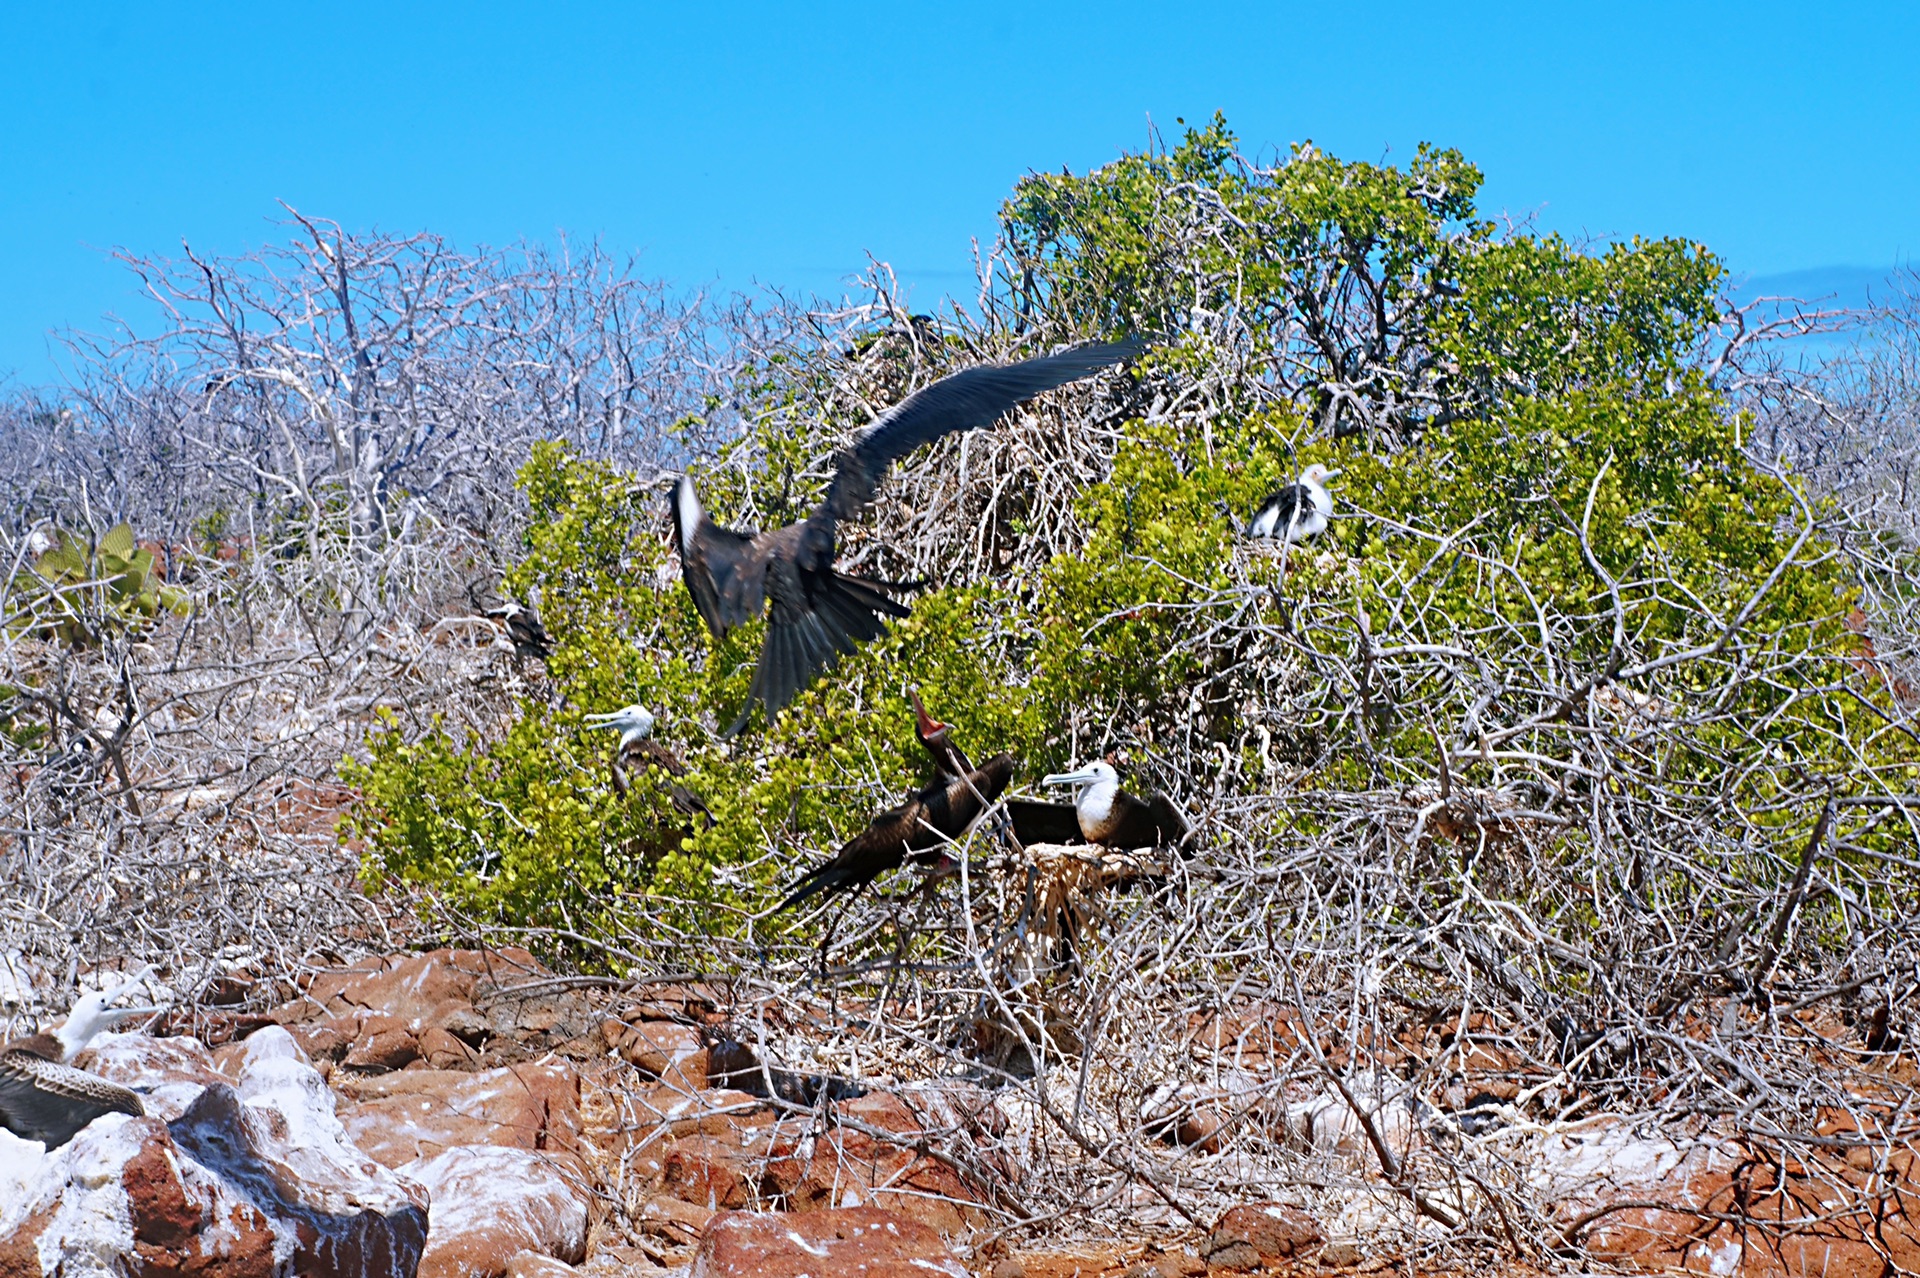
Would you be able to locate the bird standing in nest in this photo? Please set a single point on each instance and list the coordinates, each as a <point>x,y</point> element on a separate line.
<point>42,1096</point>
<point>1113,818</point>
<point>819,615</point>
<point>1298,511</point>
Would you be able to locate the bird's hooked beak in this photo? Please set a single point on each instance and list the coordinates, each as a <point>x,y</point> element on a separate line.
<point>1332,474</point>
<point>1085,776</point>
<point>925,724</point>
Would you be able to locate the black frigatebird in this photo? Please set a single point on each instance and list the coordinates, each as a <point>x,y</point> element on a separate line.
<point>819,615</point>
<point>42,1096</point>
<point>941,813</point>
<point>1032,821</point>
<point>1297,511</point>
<point>1111,817</point>
<point>949,760</point>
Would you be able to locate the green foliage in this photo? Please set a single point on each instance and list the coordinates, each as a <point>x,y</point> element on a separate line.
<point>75,592</point>
<point>1584,481</point>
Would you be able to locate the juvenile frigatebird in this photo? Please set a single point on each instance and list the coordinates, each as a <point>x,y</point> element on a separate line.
<point>524,630</point>
<point>638,750</point>
<point>42,1097</point>
<point>941,813</point>
<point>819,615</point>
<point>1113,818</point>
<point>1297,511</point>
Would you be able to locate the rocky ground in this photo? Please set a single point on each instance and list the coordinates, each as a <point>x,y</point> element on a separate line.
<point>468,1114</point>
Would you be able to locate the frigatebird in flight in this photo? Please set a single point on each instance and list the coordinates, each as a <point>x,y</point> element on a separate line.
<point>1113,818</point>
<point>42,1096</point>
<point>819,615</point>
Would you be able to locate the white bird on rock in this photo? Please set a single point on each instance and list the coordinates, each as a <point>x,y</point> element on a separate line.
<point>42,1097</point>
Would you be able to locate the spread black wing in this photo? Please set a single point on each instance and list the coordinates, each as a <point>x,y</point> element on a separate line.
<point>1038,822</point>
<point>817,615</point>
<point>963,401</point>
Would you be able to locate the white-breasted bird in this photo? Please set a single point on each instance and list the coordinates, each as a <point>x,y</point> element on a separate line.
<point>1113,818</point>
<point>42,1097</point>
<point>1297,511</point>
<point>634,723</point>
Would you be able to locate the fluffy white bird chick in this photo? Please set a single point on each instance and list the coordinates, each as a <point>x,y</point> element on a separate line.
<point>92,1017</point>
<point>633,723</point>
<point>1298,510</point>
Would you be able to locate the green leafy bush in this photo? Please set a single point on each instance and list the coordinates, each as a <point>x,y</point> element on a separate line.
<point>1562,507</point>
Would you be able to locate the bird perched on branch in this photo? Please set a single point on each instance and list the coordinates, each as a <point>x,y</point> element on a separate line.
<point>1299,510</point>
<point>819,615</point>
<point>42,1097</point>
<point>639,751</point>
<point>939,814</point>
<point>521,622</point>
<point>1113,818</point>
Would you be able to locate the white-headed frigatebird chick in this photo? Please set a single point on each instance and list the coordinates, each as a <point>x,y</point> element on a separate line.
<point>1297,511</point>
<point>42,1097</point>
<point>638,750</point>
<point>1113,818</point>
<point>941,813</point>
<point>818,615</point>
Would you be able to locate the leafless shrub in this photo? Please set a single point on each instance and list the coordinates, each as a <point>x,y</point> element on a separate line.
<point>1540,903</point>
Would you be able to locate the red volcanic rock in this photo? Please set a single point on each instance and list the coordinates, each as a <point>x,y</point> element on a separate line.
<point>709,1173</point>
<point>531,1264</point>
<point>441,1007</point>
<point>491,1205</point>
<point>220,1180</point>
<point>674,1054</point>
<point>654,1119</point>
<point>418,1113</point>
<point>1255,1234</point>
<point>859,1163</point>
<point>859,1242</point>
<point>1655,1200</point>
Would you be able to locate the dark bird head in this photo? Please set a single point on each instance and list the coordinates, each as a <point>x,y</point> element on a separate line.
<point>925,726</point>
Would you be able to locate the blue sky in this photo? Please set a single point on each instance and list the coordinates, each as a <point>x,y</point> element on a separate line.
<point>734,143</point>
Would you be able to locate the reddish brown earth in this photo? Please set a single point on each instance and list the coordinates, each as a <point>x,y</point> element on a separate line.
<point>520,1098</point>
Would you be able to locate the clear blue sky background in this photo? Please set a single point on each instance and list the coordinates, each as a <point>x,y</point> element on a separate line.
<point>780,143</point>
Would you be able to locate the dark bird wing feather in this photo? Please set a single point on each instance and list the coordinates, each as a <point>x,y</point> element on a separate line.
<point>965,400</point>
<point>817,615</point>
<point>44,1101</point>
<point>1288,504</point>
<point>724,574</point>
<point>1168,819</point>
